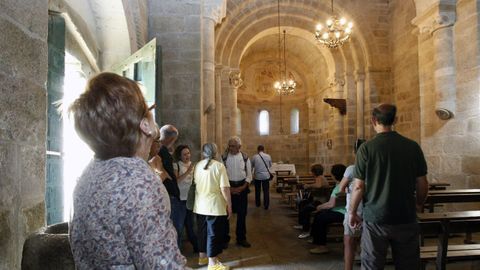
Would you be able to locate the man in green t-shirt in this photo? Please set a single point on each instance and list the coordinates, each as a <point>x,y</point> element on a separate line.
<point>390,176</point>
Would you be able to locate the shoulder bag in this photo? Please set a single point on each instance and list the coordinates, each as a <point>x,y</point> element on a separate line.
<point>271,175</point>
<point>191,192</point>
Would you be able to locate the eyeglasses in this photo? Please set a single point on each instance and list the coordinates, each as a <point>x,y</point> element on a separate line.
<point>153,106</point>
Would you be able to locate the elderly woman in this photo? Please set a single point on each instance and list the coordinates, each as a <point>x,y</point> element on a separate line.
<point>212,205</point>
<point>121,208</point>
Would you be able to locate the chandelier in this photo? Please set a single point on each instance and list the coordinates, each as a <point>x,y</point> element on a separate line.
<point>335,32</point>
<point>284,86</point>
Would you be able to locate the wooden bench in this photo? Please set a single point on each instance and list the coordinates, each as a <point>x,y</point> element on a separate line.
<point>455,253</point>
<point>451,196</point>
<point>438,186</point>
<point>444,224</point>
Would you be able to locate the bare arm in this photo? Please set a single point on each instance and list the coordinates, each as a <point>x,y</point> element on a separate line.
<point>226,195</point>
<point>181,177</point>
<point>422,191</point>
<point>328,205</point>
<point>357,195</point>
<point>343,184</point>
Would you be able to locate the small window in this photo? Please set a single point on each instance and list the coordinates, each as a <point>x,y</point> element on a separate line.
<point>294,121</point>
<point>263,122</point>
<point>239,122</point>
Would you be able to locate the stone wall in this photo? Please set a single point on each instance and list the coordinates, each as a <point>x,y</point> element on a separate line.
<point>286,147</point>
<point>23,75</point>
<point>452,147</point>
<point>177,27</point>
<point>404,55</point>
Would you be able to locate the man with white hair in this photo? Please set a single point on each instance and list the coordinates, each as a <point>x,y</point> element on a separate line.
<point>168,136</point>
<point>239,172</point>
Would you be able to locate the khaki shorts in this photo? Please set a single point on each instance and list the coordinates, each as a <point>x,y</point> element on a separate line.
<point>347,230</point>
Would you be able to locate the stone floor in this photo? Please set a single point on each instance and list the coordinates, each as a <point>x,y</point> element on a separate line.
<point>275,244</point>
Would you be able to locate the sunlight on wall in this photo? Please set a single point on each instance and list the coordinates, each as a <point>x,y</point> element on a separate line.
<point>76,154</point>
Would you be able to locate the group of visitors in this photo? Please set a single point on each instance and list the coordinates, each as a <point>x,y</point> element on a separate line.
<point>385,187</point>
<point>130,204</point>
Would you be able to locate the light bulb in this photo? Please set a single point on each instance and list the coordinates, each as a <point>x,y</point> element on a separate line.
<point>329,22</point>
<point>325,35</point>
<point>350,25</point>
<point>319,27</point>
<point>337,34</point>
<point>343,21</point>
<point>348,30</point>
<point>277,85</point>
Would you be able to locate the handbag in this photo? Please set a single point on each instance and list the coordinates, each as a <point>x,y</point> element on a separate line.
<point>191,192</point>
<point>271,175</point>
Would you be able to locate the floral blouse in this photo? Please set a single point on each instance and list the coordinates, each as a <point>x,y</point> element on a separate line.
<point>122,218</point>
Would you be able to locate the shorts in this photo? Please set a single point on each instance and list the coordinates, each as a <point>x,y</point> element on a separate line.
<point>347,230</point>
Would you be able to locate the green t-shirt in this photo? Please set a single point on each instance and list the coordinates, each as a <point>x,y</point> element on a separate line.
<point>389,164</point>
<point>335,191</point>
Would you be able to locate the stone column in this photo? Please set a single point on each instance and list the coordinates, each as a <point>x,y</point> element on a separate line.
<point>213,13</point>
<point>218,105</point>
<point>337,82</point>
<point>360,82</point>
<point>208,70</point>
<point>235,83</point>
<point>438,22</point>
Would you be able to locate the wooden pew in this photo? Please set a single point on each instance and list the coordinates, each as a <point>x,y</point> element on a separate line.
<point>444,224</point>
<point>438,186</point>
<point>451,196</point>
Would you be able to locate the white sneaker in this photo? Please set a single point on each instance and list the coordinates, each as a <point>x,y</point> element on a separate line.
<point>298,227</point>
<point>304,235</point>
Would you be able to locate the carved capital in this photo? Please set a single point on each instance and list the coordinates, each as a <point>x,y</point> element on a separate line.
<point>235,79</point>
<point>310,103</point>
<point>215,10</point>
<point>438,16</point>
<point>359,76</point>
<point>337,81</point>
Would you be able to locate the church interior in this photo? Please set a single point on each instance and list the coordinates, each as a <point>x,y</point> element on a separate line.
<point>211,68</point>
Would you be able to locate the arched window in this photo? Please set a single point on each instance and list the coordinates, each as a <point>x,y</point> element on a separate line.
<point>239,122</point>
<point>263,122</point>
<point>294,121</point>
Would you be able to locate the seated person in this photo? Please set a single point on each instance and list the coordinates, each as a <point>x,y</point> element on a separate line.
<point>327,213</point>
<point>307,205</point>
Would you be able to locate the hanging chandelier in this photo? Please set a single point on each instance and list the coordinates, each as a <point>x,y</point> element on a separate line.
<point>284,86</point>
<point>335,32</point>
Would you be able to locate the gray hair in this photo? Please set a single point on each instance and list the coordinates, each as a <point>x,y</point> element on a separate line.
<point>209,150</point>
<point>235,139</point>
<point>168,131</point>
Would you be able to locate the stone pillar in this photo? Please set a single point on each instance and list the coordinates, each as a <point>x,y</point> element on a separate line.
<point>360,82</point>
<point>337,82</point>
<point>235,83</point>
<point>23,114</point>
<point>213,13</point>
<point>218,105</point>
<point>208,53</point>
<point>438,21</point>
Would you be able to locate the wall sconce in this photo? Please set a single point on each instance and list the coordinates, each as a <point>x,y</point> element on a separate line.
<point>444,114</point>
<point>339,103</point>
